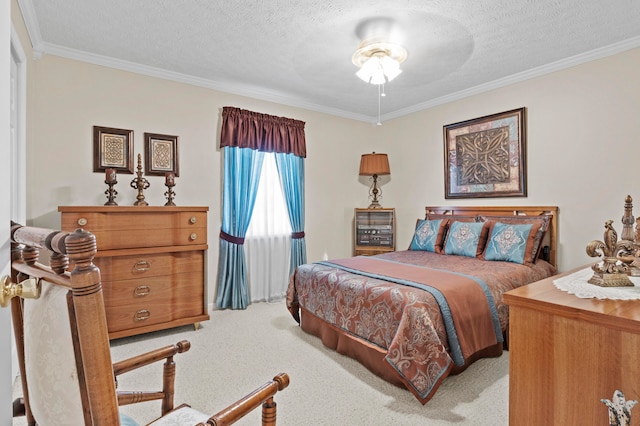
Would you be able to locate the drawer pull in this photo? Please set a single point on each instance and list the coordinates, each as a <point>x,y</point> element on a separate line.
<point>193,220</point>
<point>82,221</point>
<point>193,236</point>
<point>142,315</point>
<point>142,266</point>
<point>141,290</point>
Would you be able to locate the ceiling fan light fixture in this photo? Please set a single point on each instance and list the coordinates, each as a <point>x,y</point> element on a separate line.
<point>379,62</point>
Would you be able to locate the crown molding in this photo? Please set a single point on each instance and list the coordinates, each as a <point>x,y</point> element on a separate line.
<point>284,99</point>
<point>572,61</point>
<point>33,28</point>
<point>226,87</point>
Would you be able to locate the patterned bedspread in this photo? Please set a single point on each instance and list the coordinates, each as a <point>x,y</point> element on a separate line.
<point>403,319</point>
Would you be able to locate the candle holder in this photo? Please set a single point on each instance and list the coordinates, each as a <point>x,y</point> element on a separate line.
<point>110,180</point>
<point>111,194</point>
<point>169,182</point>
<point>140,184</point>
<point>169,194</point>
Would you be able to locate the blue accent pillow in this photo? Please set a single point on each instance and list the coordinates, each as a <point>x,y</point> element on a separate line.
<point>508,242</point>
<point>426,235</point>
<point>466,238</point>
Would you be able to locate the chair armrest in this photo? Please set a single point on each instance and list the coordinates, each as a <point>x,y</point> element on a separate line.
<point>150,357</point>
<point>261,396</point>
<point>168,375</point>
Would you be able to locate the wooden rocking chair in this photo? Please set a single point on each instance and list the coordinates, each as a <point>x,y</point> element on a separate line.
<point>60,325</point>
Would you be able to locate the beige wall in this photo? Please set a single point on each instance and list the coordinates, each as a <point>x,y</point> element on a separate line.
<point>73,96</point>
<point>581,148</point>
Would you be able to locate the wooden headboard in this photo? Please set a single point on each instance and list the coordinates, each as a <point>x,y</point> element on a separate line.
<point>551,237</point>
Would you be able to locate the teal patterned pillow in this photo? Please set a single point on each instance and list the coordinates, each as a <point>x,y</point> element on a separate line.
<point>508,242</point>
<point>466,238</point>
<point>426,236</point>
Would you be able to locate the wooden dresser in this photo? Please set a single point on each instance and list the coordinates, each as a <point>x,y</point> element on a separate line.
<point>152,262</point>
<point>567,353</point>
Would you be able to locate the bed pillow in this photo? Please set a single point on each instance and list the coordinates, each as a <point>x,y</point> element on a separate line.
<point>466,238</point>
<point>508,242</point>
<point>429,235</point>
<point>448,219</point>
<point>540,224</point>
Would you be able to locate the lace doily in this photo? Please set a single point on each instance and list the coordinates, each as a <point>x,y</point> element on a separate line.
<point>577,284</point>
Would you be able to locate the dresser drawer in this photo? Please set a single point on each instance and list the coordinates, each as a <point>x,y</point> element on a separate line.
<point>130,317</point>
<point>115,231</point>
<point>141,302</point>
<point>118,268</point>
<point>142,290</point>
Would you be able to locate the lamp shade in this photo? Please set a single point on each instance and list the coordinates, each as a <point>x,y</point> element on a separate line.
<point>374,164</point>
<point>379,69</point>
<point>379,62</point>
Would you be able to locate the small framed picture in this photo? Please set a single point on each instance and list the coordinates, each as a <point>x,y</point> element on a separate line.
<point>112,149</point>
<point>160,154</point>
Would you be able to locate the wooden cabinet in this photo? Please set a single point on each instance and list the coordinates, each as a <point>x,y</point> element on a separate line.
<point>375,231</point>
<point>567,353</point>
<point>152,263</point>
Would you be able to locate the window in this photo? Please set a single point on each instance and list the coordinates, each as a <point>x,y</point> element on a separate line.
<point>268,240</point>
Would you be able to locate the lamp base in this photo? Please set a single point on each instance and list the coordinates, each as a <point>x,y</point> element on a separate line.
<point>373,194</point>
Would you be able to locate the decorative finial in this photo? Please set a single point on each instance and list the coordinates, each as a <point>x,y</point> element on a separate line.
<point>140,184</point>
<point>627,221</point>
<point>619,409</point>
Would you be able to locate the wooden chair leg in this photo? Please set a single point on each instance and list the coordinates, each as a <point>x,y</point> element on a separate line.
<point>269,412</point>
<point>168,385</point>
<point>18,331</point>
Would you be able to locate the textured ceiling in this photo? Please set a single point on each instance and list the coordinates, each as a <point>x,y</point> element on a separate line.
<point>299,52</point>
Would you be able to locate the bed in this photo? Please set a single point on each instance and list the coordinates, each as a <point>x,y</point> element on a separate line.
<point>416,316</point>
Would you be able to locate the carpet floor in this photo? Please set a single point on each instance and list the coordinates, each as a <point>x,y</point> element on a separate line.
<point>237,351</point>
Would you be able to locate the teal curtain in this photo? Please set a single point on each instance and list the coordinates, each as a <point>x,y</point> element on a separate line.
<point>291,172</point>
<point>244,138</point>
<point>242,168</point>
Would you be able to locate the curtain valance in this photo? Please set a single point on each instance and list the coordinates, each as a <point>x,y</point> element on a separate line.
<point>268,133</point>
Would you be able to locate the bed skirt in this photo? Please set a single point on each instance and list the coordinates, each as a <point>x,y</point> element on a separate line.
<point>373,356</point>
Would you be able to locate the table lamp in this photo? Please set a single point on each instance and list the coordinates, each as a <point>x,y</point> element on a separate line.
<point>374,165</point>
